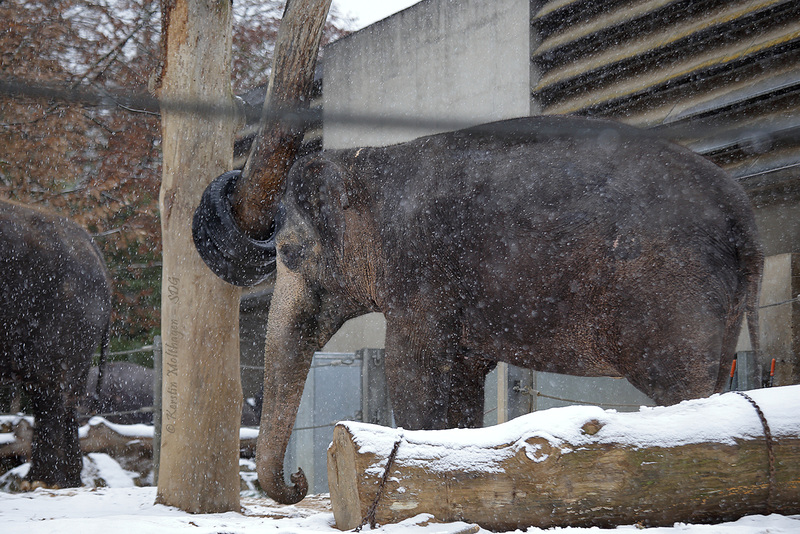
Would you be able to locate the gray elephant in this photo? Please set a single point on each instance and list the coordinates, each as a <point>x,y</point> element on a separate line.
<point>125,395</point>
<point>560,244</point>
<point>55,308</point>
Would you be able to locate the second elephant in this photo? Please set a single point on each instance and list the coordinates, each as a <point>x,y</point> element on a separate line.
<point>55,310</point>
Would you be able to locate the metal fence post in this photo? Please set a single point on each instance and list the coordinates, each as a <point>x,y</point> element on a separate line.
<point>157,377</point>
<point>520,391</point>
<point>748,375</point>
<point>375,406</point>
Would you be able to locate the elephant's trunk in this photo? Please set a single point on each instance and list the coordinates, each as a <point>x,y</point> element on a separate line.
<point>289,349</point>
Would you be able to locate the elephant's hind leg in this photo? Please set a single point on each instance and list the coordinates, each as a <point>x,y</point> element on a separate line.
<point>467,387</point>
<point>55,453</point>
<point>685,365</point>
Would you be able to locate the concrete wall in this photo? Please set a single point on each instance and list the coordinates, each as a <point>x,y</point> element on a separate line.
<point>778,221</point>
<point>451,63</point>
<point>367,331</point>
<point>779,318</point>
<point>447,62</point>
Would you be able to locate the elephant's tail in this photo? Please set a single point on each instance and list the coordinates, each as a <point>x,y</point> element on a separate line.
<point>753,288</point>
<point>751,265</point>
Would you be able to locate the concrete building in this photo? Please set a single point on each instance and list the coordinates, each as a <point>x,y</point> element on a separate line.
<point>440,64</point>
<point>722,77</point>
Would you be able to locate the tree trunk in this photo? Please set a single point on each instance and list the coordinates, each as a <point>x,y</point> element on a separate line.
<point>255,197</point>
<point>202,392</point>
<point>700,461</point>
<point>234,222</point>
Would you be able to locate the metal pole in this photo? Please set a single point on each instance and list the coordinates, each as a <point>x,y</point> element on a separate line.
<point>156,407</point>
<point>375,406</point>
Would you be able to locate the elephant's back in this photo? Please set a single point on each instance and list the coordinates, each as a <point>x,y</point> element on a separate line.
<point>555,241</point>
<point>56,290</point>
<point>608,181</point>
<point>43,247</point>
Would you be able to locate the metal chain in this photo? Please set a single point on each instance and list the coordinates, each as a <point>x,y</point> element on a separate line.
<point>770,451</point>
<point>370,517</point>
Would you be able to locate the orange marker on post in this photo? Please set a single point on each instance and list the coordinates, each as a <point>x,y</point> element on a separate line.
<point>733,370</point>
<point>772,373</point>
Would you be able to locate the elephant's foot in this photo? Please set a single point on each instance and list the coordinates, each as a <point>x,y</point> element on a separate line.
<point>28,485</point>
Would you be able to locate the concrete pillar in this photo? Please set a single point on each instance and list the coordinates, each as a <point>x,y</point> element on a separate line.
<point>779,316</point>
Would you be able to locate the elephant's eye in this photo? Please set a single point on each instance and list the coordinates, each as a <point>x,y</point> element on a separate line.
<point>292,255</point>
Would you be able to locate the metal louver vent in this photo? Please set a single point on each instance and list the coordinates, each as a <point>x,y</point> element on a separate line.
<point>720,76</point>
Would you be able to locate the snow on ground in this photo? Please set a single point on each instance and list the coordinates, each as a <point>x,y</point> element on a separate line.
<point>132,511</point>
<point>122,508</point>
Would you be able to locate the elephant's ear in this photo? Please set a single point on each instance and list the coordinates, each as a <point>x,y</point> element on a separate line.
<point>324,191</point>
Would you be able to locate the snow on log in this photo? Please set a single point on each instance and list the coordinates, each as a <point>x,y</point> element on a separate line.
<point>703,460</point>
<point>99,435</point>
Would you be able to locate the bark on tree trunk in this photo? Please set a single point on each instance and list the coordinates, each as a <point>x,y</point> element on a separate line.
<point>202,392</point>
<point>593,469</point>
<point>254,199</point>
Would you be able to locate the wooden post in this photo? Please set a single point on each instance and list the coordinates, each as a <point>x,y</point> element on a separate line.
<point>502,392</point>
<point>700,461</point>
<point>202,394</point>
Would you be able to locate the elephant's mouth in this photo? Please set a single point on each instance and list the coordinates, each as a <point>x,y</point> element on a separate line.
<point>230,253</point>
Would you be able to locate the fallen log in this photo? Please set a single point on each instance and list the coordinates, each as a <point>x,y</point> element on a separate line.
<point>704,460</point>
<point>16,437</point>
<point>100,435</point>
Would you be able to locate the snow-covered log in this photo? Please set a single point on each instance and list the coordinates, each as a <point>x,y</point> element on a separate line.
<point>116,440</point>
<point>699,461</point>
<point>99,435</point>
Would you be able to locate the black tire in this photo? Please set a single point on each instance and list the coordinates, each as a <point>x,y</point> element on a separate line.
<point>230,253</point>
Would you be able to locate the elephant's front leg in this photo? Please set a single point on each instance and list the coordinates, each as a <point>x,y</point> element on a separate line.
<point>419,363</point>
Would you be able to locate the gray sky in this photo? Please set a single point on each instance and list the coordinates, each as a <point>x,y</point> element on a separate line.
<point>368,11</point>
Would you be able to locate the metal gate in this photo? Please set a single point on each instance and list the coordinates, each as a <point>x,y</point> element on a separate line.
<point>339,387</point>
